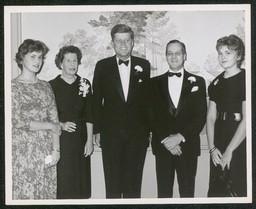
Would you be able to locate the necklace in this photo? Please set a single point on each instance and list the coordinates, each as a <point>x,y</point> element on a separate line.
<point>24,80</point>
<point>68,80</point>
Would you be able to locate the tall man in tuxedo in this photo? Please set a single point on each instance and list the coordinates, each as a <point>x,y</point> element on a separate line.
<point>179,114</point>
<point>120,89</point>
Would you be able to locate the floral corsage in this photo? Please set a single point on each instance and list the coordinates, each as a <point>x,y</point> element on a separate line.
<point>192,79</point>
<point>216,82</point>
<point>138,69</point>
<point>83,87</point>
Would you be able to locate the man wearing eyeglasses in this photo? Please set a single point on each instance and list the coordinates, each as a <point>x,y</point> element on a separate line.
<point>179,113</point>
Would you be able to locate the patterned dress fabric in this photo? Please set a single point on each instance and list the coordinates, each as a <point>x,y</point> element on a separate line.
<point>31,178</point>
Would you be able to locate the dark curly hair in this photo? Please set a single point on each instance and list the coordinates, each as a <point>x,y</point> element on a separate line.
<point>67,49</point>
<point>233,42</point>
<point>183,47</point>
<point>28,46</point>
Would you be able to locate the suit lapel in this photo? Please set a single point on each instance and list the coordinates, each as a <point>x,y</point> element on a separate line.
<point>134,79</point>
<point>116,79</point>
<point>184,92</point>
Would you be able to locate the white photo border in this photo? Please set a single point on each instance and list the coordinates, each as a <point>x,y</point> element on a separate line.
<point>8,10</point>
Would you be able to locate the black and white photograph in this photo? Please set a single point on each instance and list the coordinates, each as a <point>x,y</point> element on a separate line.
<point>134,104</point>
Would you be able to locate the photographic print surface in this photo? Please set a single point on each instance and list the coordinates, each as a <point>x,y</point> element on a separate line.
<point>88,28</point>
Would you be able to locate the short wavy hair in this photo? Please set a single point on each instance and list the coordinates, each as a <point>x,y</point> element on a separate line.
<point>234,43</point>
<point>28,46</point>
<point>121,28</point>
<point>67,49</point>
<point>183,47</point>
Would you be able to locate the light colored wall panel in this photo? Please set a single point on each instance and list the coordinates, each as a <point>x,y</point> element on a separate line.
<point>16,37</point>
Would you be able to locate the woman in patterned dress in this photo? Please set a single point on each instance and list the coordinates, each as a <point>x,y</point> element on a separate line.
<point>35,127</point>
<point>74,102</point>
<point>226,119</point>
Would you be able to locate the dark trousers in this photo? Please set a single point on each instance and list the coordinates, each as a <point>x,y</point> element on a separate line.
<point>123,169</point>
<point>185,167</point>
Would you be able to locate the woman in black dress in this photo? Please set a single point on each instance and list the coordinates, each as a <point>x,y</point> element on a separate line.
<point>226,119</point>
<point>73,97</point>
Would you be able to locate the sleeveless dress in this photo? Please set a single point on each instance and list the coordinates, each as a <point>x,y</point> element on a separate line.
<point>73,169</point>
<point>228,94</point>
<point>31,178</point>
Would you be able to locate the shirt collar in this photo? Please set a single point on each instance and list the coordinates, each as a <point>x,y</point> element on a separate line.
<point>180,71</point>
<point>117,59</point>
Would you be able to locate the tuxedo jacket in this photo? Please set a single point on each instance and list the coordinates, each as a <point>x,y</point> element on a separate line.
<point>114,118</point>
<point>188,119</point>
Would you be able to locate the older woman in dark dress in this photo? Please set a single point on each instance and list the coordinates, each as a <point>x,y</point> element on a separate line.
<point>226,119</point>
<point>73,97</point>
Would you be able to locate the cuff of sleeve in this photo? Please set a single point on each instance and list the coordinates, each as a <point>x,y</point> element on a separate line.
<point>182,138</point>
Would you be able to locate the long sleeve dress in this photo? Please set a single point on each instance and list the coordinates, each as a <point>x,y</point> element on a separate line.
<point>31,178</point>
<point>74,105</point>
<point>229,94</point>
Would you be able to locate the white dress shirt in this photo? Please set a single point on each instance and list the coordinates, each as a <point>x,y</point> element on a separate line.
<point>124,72</point>
<point>175,85</point>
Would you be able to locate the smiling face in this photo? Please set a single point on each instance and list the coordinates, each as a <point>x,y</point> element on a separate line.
<point>122,44</point>
<point>228,58</point>
<point>175,56</point>
<point>32,62</point>
<point>69,64</point>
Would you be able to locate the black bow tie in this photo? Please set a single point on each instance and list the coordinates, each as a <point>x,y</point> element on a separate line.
<point>170,74</point>
<point>125,62</point>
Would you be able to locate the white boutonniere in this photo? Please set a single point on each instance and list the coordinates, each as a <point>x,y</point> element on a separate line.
<point>195,88</point>
<point>138,68</point>
<point>83,87</point>
<point>216,82</point>
<point>192,79</point>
